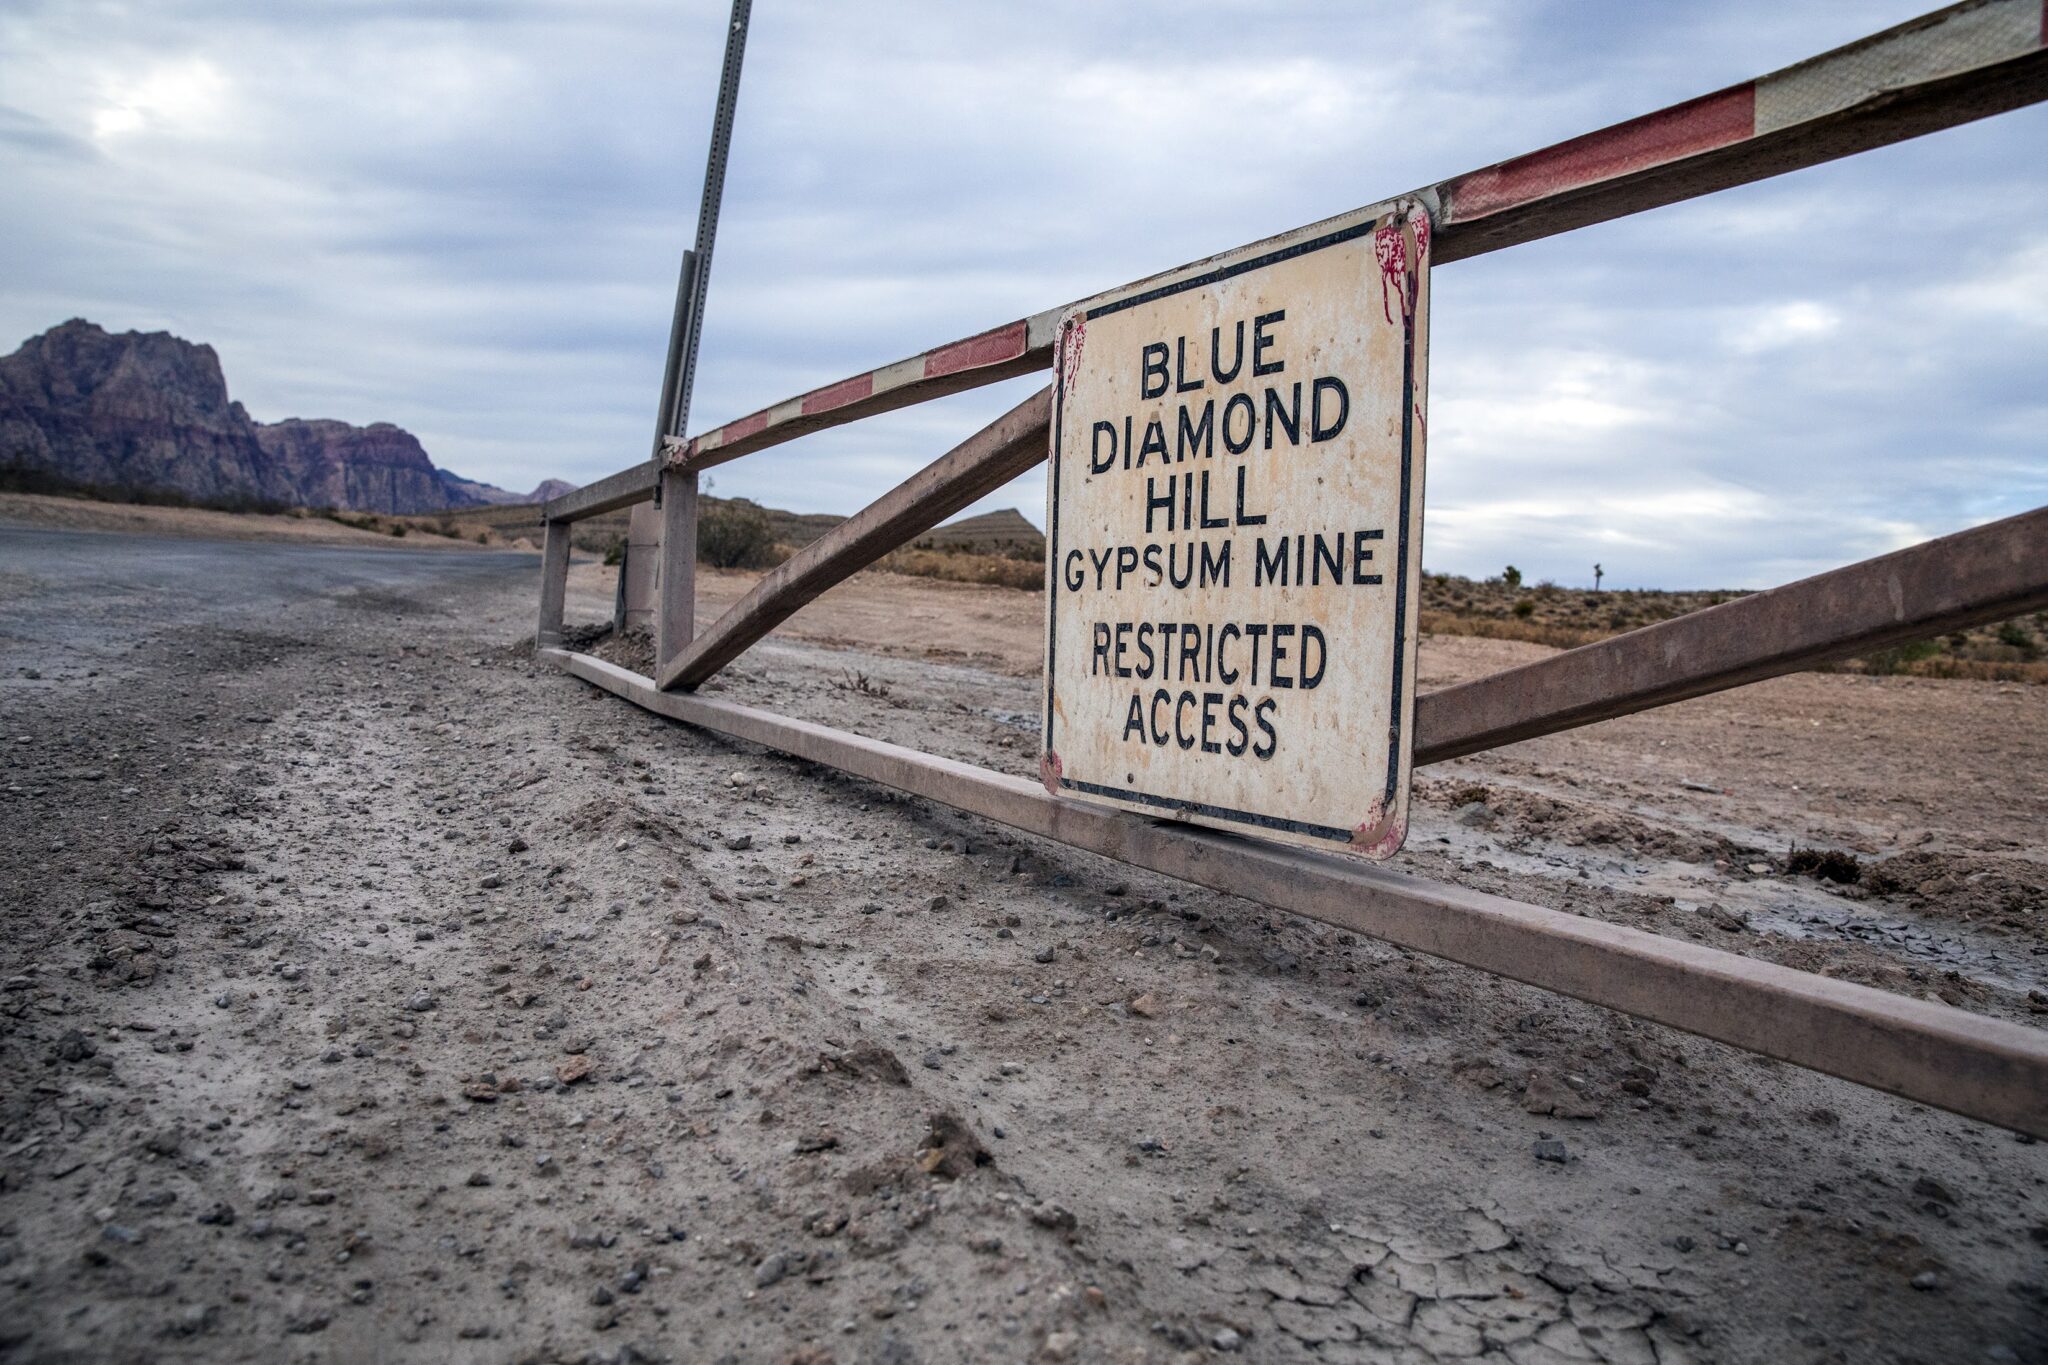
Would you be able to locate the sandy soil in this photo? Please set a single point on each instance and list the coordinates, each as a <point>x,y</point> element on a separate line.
<point>79,514</point>
<point>373,993</point>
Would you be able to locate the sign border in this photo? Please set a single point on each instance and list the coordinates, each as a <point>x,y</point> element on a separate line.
<point>1399,711</point>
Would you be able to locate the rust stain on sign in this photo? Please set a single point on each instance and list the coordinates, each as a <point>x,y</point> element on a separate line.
<point>1235,517</point>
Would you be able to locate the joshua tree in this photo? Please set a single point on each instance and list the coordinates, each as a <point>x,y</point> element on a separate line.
<point>1598,574</point>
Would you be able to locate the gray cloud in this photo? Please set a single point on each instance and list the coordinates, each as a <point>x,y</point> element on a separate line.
<point>467,219</point>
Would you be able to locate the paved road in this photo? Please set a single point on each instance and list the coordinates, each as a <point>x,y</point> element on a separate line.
<point>73,600</point>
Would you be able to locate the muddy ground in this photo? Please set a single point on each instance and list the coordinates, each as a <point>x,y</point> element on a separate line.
<point>373,993</point>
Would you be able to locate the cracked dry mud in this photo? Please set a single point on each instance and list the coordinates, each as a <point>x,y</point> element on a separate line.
<point>372,992</point>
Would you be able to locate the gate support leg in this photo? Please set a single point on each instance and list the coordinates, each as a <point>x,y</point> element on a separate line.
<point>675,620</point>
<point>554,584</point>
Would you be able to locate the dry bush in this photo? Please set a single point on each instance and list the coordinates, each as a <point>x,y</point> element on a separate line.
<point>1530,632</point>
<point>1958,670</point>
<point>736,535</point>
<point>958,566</point>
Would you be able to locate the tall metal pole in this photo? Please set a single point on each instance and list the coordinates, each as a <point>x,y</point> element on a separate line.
<point>679,376</point>
<point>675,490</point>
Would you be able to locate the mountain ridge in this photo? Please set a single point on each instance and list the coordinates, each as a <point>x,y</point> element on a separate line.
<point>150,412</point>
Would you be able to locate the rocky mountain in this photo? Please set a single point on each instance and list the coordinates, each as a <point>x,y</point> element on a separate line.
<point>148,410</point>
<point>377,468</point>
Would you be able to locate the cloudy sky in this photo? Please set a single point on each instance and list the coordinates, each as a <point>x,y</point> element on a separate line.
<point>467,218</point>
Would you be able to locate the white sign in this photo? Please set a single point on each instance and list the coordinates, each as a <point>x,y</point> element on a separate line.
<point>1235,525</point>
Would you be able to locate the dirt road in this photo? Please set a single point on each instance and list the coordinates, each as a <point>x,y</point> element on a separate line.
<point>370,993</point>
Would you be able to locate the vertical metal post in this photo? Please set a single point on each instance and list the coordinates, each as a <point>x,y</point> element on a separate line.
<point>679,377</point>
<point>676,492</point>
<point>707,208</point>
<point>554,584</point>
<point>675,616</point>
<point>672,369</point>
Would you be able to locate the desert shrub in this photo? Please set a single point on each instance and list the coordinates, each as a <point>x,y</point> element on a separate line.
<point>2017,636</point>
<point>483,537</point>
<point>1898,658</point>
<point>22,477</point>
<point>398,531</point>
<point>1000,571</point>
<point>1493,628</point>
<point>735,535</point>
<point>1525,608</point>
<point>1511,576</point>
<point>615,552</point>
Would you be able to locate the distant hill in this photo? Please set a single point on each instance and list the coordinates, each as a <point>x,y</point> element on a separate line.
<point>990,533</point>
<point>490,496</point>
<point>148,412</point>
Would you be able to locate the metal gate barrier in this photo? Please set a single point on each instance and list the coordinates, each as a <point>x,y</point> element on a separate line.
<point>1958,64</point>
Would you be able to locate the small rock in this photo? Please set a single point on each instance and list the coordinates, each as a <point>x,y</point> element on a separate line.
<point>1054,1217</point>
<point>740,843</point>
<point>1551,1149</point>
<point>1721,917</point>
<point>1546,1094</point>
<point>1227,1340</point>
<point>1927,1281</point>
<point>1145,1006</point>
<point>772,1270</point>
<point>419,1002</point>
<point>1042,955</point>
